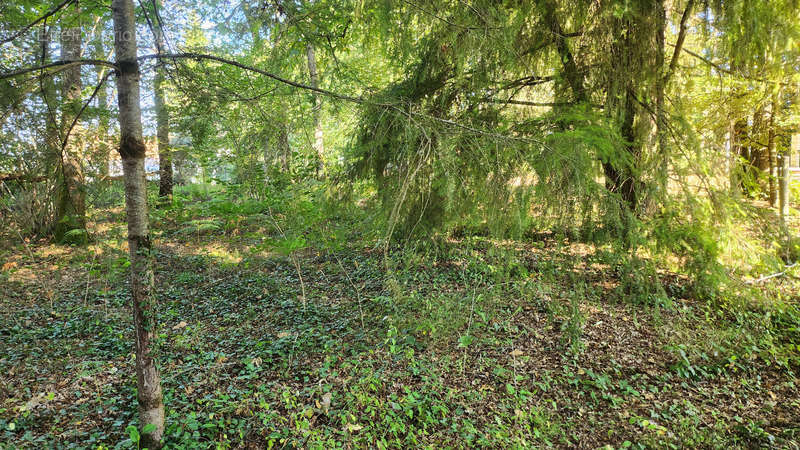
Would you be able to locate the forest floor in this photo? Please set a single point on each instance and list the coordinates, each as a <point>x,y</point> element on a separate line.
<point>477,344</point>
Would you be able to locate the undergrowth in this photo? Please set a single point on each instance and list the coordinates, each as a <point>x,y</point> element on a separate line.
<point>286,321</point>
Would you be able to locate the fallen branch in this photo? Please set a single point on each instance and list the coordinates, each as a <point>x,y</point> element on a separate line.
<point>774,275</point>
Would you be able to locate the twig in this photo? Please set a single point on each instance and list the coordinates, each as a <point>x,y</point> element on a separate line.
<point>19,33</point>
<point>469,327</point>
<point>293,258</point>
<point>88,279</point>
<point>63,64</point>
<point>82,110</point>
<point>774,275</point>
<point>355,288</point>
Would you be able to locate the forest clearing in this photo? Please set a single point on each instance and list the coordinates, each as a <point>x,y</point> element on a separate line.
<point>417,224</point>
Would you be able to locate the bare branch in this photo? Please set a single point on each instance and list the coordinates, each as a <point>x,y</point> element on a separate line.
<point>679,44</point>
<point>544,104</point>
<point>349,98</point>
<point>200,57</point>
<point>80,113</point>
<point>727,71</point>
<point>63,64</point>
<point>19,33</point>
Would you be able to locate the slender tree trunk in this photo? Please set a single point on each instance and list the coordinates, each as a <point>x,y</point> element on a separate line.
<point>266,157</point>
<point>52,146</point>
<point>738,155</point>
<point>104,149</point>
<point>759,152</point>
<point>254,24</point>
<point>773,192</point>
<point>132,152</point>
<point>784,177</point>
<point>316,108</point>
<point>620,179</point>
<point>283,149</point>
<point>70,207</point>
<point>661,110</point>
<point>162,127</point>
<point>728,153</point>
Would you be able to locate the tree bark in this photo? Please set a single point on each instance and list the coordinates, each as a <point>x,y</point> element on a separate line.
<point>572,75</point>
<point>784,176</point>
<point>773,192</point>
<point>738,154</point>
<point>162,127</point>
<point>316,108</point>
<point>759,153</point>
<point>70,196</point>
<point>636,65</point>
<point>51,141</point>
<point>132,152</point>
<point>283,150</point>
<point>104,149</point>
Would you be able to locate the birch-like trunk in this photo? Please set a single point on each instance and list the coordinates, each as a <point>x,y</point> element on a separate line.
<point>771,155</point>
<point>316,108</point>
<point>132,152</point>
<point>70,196</point>
<point>282,147</point>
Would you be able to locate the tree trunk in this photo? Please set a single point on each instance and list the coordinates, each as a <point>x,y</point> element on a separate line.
<point>162,127</point>
<point>635,79</point>
<point>661,110</point>
<point>70,197</point>
<point>771,156</point>
<point>104,149</point>
<point>758,153</point>
<point>132,152</point>
<point>316,108</point>
<point>619,178</point>
<point>283,149</point>
<point>571,73</point>
<point>784,177</point>
<point>281,152</point>
<point>738,155</point>
<point>45,223</point>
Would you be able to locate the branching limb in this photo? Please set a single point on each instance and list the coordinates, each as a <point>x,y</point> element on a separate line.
<point>80,113</point>
<point>19,33</point>
<point>61,65</point>
<point>679,43</point>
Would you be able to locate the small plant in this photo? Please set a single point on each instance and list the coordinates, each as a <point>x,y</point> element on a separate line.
<point>135,437</point>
